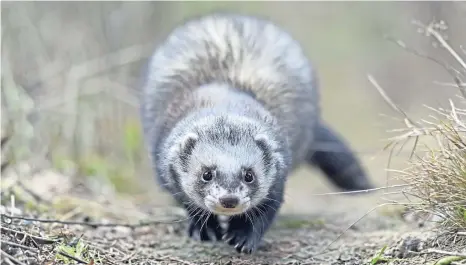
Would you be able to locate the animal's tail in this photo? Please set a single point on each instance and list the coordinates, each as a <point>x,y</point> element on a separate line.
<point>332,155</point>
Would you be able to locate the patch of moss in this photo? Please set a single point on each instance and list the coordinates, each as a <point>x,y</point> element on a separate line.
<point>301,223</point>
<point>62,163</point>
<point>121,176</point>
<point>36,207</point>
<point>63,205</point>
<point>392,210</point>
<point>123,182</point>
<point>132,140</point>
<point>78,249</point>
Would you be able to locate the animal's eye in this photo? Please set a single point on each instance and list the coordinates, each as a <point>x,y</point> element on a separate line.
<point>207,176</point>
<point>249,176</point>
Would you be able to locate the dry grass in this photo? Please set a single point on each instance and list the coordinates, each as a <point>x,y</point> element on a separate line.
<point>438,178</point>
<point>437,174</point>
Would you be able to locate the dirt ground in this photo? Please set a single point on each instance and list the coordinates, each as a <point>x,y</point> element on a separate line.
<point>88,223</point>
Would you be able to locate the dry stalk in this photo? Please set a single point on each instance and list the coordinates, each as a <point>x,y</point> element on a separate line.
<point>437,179</point>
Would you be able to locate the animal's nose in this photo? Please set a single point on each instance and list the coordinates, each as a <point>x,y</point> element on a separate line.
<point>229,201</point>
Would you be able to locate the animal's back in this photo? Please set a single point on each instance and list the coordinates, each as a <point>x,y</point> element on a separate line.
<point>228,100</point>
<point>246,53</point>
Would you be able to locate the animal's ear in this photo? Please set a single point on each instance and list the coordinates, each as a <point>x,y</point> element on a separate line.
<point>266,145</point>
<point>265,142</point>
<point>187,144</point>
<point>269,150</point>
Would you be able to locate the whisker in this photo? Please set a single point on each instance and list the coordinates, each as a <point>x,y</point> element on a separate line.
<point>254,230</point>
<point>251,221</point>
<point>199,211</point>
<point>205,222</point>
<point>275,209</point>
<point>270,199</point>
<point>176,193</point>
<point>261,214</point>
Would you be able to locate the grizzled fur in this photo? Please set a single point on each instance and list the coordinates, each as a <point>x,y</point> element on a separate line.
<point>230,94</point>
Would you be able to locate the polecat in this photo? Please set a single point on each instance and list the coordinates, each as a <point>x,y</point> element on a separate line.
<point>230,107</point>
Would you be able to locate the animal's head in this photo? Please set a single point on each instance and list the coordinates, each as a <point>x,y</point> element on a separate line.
<point>226,165</point>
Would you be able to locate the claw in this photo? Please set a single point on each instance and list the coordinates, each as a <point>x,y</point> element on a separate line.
<point>211,234</point>
<point>246,250</point>
<point>204,231</point>
<point>238,250</point>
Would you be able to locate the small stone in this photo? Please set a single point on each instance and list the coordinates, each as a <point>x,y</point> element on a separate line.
<point>408,246</point>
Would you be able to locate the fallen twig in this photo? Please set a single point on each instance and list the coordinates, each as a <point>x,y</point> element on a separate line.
<point>73,258</point>
<point>13,259</point>
<point>18,245</point>
<point>443,252</point>
<point>54,221</point>
<point>23,235</point>
<point>129,256</point>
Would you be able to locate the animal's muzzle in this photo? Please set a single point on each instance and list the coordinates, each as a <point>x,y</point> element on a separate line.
<point>229,201</point>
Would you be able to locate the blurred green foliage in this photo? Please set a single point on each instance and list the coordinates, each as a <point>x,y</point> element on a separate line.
<point>94,131</point>
<point>132,141</point>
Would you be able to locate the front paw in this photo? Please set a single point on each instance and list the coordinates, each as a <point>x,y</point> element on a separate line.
<point>243,239</point>
<point>204,230</point>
